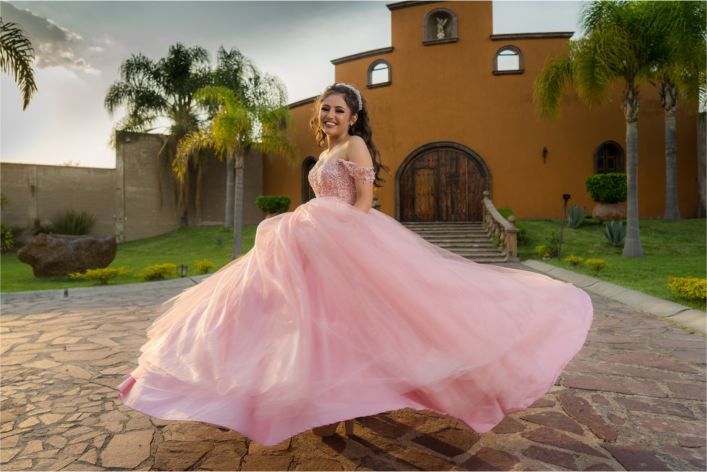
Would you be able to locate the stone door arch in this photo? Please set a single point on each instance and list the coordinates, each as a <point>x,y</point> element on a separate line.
<point>441,181</point>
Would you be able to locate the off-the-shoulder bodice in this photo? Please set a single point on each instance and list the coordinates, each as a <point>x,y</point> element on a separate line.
<point>335,178</point>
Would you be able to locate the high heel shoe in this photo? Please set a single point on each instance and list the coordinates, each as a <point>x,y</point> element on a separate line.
<point>330,429</point>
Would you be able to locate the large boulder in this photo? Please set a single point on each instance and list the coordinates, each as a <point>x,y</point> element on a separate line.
<point>59,254</point>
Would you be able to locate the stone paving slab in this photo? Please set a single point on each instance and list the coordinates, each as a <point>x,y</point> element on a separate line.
<point>632,399</point>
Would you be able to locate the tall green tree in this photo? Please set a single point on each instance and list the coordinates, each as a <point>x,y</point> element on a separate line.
<point>162,91</point>
<point>236,129</point>
<point>16,58</point>
<point>618,45</point>
<point>679,72</point>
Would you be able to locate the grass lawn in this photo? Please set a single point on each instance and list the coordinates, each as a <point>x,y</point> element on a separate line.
<point>670,249</point>
<point>183,246</point>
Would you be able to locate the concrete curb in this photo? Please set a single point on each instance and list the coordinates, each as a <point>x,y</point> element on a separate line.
<point>680,314</point>
<point>80,292</point>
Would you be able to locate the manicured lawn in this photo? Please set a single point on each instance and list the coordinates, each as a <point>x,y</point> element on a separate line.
<point>183,246</point>
<point>670,249</point>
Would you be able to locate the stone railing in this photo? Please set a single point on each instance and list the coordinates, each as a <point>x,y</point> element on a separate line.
<point>501,229</point>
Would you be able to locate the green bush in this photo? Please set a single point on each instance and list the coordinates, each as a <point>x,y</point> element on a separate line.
<point>553,245</point>
<point>273,203</point>
<point>72,222</point>
<point>596,264</point>
<point>159,271</point>
<point>7,238</point>
<point>607,188</point>
<point>615,232</point>
<point>540,250</point>
<point>203,266</point>
<point>102,276</point>
<point>573,260</point>
<point>575,216</point>
<point>689,287</point>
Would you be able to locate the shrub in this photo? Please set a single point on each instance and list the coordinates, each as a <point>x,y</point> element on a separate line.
<point>689,287</point>
<point>575,216</point>
<point>273,203</point>
<point>7,238</point>
<point>159,271</point>
<point>72,222</point>
<point>203,266</point>
<point>553,246</point>
<point>540,250</point>
<point>102,276</point>
<point>607,188</point>
<point>615,232</point>
<point>573,260</point>
<point>596,264</point>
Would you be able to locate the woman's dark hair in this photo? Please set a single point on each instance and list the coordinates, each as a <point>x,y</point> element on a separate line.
<point>362,126</point>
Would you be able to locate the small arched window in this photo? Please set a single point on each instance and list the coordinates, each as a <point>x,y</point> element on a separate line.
<point>378,74</point>
<point>508,60</point>
<point>609,157</point>
<point>440,26</point>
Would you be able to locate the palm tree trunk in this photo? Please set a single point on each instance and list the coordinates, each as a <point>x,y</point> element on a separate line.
<point>632,245</point>
<point>701,164</point>
<point>228,219</point>
<point>238,209</point>
<point>668,95</point>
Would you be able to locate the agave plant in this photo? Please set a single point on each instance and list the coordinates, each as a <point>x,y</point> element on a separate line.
<point>615,232</point>
<point>576,216</point>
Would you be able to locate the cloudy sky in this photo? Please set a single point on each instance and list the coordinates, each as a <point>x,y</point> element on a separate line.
<point>79,47</point>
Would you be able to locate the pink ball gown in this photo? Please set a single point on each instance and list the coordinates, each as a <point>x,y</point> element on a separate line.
<point>336,314</point>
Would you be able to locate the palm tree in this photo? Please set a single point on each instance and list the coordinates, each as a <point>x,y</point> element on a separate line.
<point>232,134</point>
<point>232,70</point>
<point>618,45</point>
<point>158,91</point>
<point>16,58</point>
<point>681,72</point>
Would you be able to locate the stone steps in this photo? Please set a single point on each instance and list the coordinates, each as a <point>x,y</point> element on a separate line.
<point>467,239</point>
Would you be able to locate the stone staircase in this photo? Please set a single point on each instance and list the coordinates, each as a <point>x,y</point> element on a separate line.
<point>466,238</point>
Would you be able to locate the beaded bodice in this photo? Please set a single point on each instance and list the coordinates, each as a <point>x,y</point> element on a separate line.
<point>335,178</point>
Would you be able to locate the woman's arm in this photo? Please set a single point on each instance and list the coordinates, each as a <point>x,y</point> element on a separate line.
<point>358,153</point>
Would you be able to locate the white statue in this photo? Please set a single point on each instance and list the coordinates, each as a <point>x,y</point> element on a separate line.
<point>440,27</point>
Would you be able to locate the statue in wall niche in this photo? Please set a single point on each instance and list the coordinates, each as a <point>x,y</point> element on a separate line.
<point>58,254</point>
<point>441,21</point>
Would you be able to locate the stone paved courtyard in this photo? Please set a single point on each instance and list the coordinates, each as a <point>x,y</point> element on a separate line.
<point>633,399</point>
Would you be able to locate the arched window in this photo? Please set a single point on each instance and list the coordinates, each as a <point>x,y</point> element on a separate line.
<point>508,60</point>
<point>609,157</point>
<point>307,191</point>
<point>378,74</point>
<point>440,26</point>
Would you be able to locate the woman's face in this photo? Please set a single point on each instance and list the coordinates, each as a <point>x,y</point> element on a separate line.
<point>335,115</point>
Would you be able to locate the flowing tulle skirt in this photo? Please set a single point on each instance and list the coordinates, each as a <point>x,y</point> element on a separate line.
<point>336,314</point>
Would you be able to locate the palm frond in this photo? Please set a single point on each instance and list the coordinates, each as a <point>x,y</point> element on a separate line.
<point>16,59</point>
<point>550,84</point>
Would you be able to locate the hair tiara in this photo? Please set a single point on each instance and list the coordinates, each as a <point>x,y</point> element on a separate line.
<point>355,91</point>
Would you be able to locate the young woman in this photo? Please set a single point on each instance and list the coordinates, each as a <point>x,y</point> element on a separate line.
<point>339,311</point>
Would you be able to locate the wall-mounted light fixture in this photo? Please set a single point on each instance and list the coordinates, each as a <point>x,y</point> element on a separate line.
<point>544,154</point>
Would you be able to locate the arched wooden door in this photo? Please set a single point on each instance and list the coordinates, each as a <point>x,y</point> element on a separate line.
<point>307,190</point>
<point>442,182</point>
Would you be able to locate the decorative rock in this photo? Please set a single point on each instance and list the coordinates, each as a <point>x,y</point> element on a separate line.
<point>28,422</point>
<point>127,450</point>
<point>6,455</point>
<point>51,255</point>
<point>555,438</point>
<point>173,455</point>
<point>490,459</point>
<point>508,425</point>
<point>57,441</point>
<point>661,407</point>
<point>551,456</point>
<point>318,463</point>
<point>582,411</point>
<point>266,463</point>
<point>635,458</point>
<point>32,447</point>
<point>224,457</point>
<point>555,420</point>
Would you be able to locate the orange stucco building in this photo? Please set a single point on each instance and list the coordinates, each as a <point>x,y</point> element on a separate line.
<point>452,115</point>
